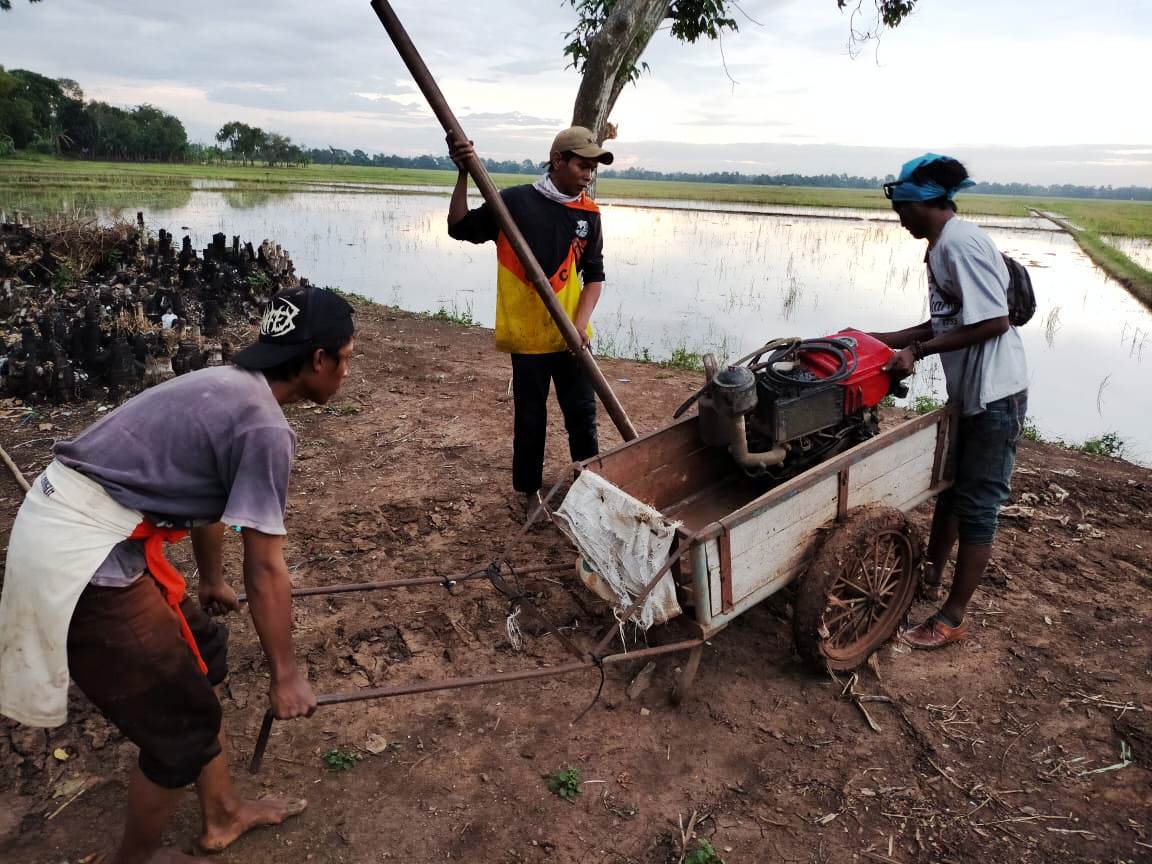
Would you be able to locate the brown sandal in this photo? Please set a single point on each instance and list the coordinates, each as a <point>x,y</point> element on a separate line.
<point>933,634</point>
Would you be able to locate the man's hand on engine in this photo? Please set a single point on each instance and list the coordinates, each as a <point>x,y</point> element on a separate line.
<point>902,364</point>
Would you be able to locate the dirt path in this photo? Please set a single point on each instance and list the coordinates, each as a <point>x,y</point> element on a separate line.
<point>990,752</point>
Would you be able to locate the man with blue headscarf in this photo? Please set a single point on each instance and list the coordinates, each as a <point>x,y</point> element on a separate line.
<point>985,371</point>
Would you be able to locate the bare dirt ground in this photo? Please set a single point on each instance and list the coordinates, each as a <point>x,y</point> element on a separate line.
<point>1002,750</point>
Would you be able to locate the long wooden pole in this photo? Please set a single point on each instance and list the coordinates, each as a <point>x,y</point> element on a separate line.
<point>479,174</point>
<point>17,474</point>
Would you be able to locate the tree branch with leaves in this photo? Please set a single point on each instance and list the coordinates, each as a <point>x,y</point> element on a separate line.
<point>610,36</point>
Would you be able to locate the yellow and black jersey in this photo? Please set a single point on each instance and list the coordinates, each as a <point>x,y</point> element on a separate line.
<point>566,240</point>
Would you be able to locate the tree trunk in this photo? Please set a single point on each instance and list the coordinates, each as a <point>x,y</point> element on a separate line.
<point>612,53</point>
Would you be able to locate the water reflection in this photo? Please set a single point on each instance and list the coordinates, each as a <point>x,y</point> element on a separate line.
<point>686,278</point>
<point>108,203</point>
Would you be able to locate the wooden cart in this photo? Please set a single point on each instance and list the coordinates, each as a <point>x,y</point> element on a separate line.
<point>839,529</point>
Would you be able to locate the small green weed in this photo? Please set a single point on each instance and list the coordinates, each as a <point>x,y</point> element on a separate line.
<point>64,276</point>
<point>259,281</point>
<point>1030,432</point>
<point>354,298</point>
<point>682,358</point>
<point>1108,444</point>
<point>924,404</point>
<point>454,316</point>
<point>341,759</point>
<point>564,783</point>
<point>888,401</point>
<point>113,256</point>
<point>703,853</point>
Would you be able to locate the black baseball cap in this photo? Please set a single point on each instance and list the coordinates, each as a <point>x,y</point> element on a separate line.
<point>297,322</point>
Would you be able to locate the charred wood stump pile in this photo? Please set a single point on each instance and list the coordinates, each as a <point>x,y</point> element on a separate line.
<point>91,311</point>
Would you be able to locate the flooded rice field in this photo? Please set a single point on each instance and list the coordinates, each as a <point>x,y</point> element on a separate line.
<point>1138,249</point>
<point>695,277</point>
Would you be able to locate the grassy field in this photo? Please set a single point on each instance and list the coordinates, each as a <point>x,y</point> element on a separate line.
<point>46,170</point>
<point>1130,218</point>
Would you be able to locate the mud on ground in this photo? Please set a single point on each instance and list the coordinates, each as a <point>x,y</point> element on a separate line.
<point>1002,750</point>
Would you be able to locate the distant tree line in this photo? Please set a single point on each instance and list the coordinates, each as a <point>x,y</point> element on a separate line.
<point>336,156</point>
<point>49,115</point>
<point>1066,190</point>
<point>835,181</point>
<point>251,143</point>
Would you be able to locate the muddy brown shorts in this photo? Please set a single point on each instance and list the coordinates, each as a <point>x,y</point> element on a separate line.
<point>126,654</point>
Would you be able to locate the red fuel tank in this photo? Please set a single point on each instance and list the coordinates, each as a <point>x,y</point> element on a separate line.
<point>867,385</point>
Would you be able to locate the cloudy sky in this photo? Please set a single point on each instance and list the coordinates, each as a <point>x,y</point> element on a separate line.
<point>1047,92</point>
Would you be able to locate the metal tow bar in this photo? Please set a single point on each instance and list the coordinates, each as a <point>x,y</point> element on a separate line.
<point>460,683</point>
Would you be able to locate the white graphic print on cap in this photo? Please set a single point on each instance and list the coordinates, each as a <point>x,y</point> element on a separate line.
<point>279,319</point>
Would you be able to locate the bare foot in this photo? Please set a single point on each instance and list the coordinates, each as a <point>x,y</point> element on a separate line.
<point>251,814</point>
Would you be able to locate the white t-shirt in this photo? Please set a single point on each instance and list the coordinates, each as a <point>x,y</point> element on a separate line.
<point>967,284</point>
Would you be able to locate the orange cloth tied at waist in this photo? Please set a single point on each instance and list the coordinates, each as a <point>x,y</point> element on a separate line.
<point>167,576</point>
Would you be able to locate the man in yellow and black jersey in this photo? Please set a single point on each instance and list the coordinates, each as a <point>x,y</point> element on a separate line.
<point>562,227</point>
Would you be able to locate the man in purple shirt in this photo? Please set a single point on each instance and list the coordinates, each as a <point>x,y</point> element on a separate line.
<point>205,450</point>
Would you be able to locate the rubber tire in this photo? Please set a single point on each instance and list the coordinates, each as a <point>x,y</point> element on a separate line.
<point>840,548</point>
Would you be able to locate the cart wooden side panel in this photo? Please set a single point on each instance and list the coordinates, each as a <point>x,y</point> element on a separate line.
<point>766,550</point>
<point>766,544</point>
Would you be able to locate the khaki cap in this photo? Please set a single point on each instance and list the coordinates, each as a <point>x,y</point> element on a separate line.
<point>582,142</point>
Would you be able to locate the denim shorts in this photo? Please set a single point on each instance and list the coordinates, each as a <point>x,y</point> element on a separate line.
<point>985,455</point>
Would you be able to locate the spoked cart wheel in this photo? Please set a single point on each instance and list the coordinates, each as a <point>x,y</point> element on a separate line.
<point>857,589</point>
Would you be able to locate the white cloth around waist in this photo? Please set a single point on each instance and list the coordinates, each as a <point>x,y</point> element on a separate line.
<point>64,530</point>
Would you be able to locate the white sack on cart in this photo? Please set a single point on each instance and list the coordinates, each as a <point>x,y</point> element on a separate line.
<point>624,542</point>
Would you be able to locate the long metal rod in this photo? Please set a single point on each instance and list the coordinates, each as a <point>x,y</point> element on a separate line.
<point>479,174</point>
<point>461,683</point>
<point>352,587</point>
